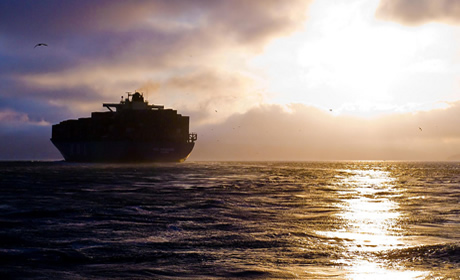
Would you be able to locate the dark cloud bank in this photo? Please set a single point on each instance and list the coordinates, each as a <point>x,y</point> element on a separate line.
<point>104,48</point>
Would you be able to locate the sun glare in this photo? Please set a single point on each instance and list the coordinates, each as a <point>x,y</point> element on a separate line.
<point>347,60</point>
<point>370,217</point>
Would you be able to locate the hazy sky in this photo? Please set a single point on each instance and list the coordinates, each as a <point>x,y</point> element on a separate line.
<point>261,80</point>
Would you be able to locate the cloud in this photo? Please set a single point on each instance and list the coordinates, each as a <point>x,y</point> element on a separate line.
<point>110,29</point>
<point>210,95</point>
<point>13,119</point>
<point>53,18</point>
<point>418,12</point>
<point>195,52</point>
<point>195,56</point>
<point>305,133</point>
<point>109,47</point>
<point>257,21</point>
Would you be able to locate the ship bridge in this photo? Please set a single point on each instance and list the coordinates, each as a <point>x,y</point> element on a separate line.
<point>132,102</point>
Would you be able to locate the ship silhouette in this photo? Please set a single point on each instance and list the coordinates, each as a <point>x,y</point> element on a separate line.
<point>131,131</point>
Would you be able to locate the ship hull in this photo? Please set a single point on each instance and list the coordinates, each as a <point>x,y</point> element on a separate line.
<point>123,151</point>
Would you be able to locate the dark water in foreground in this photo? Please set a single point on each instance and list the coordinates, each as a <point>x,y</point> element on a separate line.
<point>343,220</point>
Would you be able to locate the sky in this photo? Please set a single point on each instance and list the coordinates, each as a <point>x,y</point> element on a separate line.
<point>260,80</point>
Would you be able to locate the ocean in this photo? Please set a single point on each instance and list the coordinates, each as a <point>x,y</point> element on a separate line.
<point>230,220</point>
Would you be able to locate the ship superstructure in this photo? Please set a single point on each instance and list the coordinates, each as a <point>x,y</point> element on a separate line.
<point>131,131</point>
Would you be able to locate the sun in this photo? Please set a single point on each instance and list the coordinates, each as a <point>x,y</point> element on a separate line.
<point>360,60</point>
<point>347,60</point>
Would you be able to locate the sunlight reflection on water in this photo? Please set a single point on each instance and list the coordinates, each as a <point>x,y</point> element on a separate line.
<point>370,217</point>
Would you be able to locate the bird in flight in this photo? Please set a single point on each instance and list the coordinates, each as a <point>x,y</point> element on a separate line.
<point>41,45</point>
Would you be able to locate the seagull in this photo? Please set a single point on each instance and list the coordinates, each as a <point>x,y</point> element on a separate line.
<point>41,45</point>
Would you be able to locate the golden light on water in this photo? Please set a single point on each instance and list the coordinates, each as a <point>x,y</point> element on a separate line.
<point>369,214</point>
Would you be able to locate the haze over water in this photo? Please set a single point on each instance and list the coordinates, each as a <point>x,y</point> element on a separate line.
<point>230,220</point>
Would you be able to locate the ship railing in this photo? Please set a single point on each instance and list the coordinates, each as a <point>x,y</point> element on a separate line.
<point>192,137</point>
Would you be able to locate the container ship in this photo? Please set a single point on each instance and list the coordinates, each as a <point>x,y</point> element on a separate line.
<point>130,131</point>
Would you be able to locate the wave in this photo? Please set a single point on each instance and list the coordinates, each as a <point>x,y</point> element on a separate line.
<point>425,255</point>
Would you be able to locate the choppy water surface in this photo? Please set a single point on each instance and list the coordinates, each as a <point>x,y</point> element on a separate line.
<point>342,220</point>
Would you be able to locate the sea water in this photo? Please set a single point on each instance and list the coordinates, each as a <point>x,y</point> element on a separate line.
<point>230,220</point>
